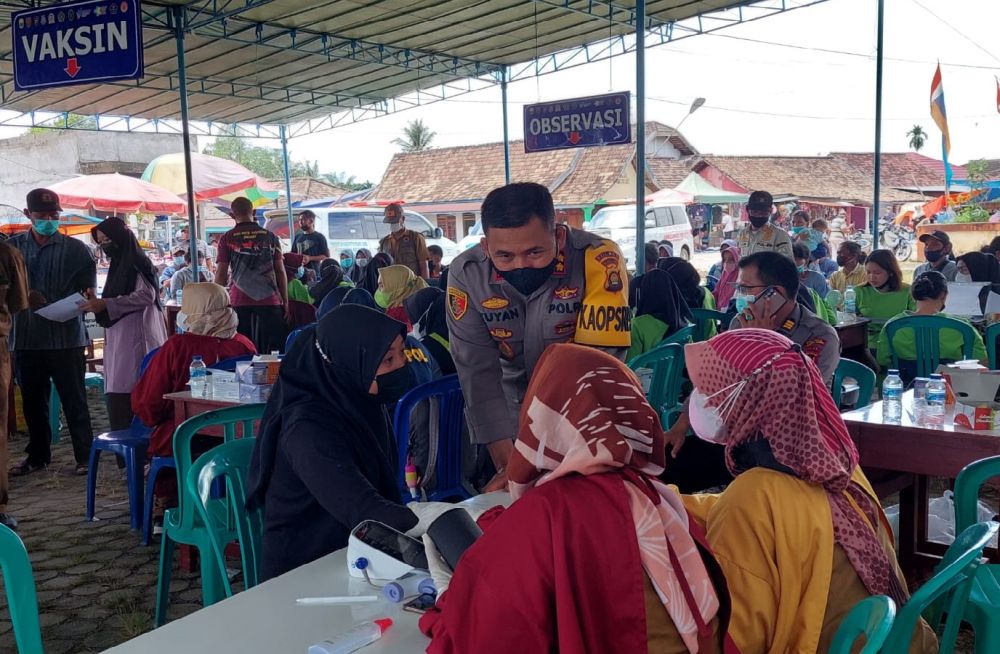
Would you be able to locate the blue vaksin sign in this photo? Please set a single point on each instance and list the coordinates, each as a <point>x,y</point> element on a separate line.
<point>577,123</point>
<point>77,43</point>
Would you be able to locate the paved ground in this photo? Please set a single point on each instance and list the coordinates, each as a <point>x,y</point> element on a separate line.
<point>96,584</point>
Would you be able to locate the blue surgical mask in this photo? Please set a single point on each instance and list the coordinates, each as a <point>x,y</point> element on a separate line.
<point>797,230</point>
<point>742,302</point>
<point>300,272</point>
<point>801,268</point>
<point>46,227</point>
<point>346,263</point>
<point>178,261</point>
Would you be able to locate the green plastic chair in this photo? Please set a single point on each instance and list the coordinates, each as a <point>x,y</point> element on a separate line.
<point>859,372</point>
<point>946,593</point>
<point>983,610</point>
<point>682,336</point>
<point>990,336</point>
<point>926,331</point>
<point>19,582</point>
<point>872,618</point>
<point>231,463</point>
<point>667,363</point>
<point>183,524</point>
<point>705,317</point>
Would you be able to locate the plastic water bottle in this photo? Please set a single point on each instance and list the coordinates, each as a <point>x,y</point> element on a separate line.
<point>198,377</point>
<point>850,304</point>
<point>892,397</point>
<point>920,400</point>
<point>934,414</point>
<point>178,296</point>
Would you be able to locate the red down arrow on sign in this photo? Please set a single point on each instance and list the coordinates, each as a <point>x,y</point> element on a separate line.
<point>72,68</point>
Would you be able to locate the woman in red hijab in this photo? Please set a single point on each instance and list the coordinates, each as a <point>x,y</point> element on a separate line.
<point>799,533</point>
<point>595,555</point>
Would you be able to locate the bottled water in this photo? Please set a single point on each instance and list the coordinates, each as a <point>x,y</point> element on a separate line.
<point>850,304</point>
<point>892,397</point>
<point>198,377</point>
<point>179,295</point>
<point>934,414</point>
<point>920,399</point>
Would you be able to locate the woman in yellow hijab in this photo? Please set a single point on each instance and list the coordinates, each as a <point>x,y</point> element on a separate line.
<point>395,284</point>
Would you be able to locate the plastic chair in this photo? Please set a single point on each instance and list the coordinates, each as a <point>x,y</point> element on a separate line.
<point>451,420</point>
<point>983,610</point>
<point>19,582</point>
<point>90,380</point>
<point>862,374</point>
<point>946,593</point>
<point>871,617</point>
<point>182,524</point>
<point>229,463</point>
<point>229,365</point>
<point>667,364</point>
<point>703,318</point>
<point>291,338</point>
<point>990,336</point>
<point>130,444</point>
<point>682,336</point>
<point>926,331</point>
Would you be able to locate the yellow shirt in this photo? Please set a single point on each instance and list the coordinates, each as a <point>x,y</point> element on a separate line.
<point>840,280</point>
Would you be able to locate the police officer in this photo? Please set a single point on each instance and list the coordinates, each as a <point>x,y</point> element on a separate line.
<point>760,235</point>
<point>528,284</point>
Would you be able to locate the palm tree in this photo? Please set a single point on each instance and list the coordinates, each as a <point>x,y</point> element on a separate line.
<point>416,137</point>
<point>917,137</point>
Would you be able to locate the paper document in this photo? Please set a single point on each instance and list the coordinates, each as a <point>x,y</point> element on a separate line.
<point>63,310</point>
<point>963,299</point>
<point>992,303</point>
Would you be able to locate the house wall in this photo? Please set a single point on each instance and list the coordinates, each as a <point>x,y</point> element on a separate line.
<point>720,180</point>
<point>572,217</point>
<point>450,223</point>
<point>659,146</point>
<point>624,188</point>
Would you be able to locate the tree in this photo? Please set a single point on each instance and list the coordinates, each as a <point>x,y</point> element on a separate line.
<point>416,137</point>
<point>917,137</point>
<point>265,162</point>
<point>345,181</point>
<point>74,121</point>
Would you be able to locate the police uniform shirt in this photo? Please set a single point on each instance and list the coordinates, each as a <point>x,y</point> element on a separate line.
<point>769,238</point>
<point>817,337</point>
<point>497,335</point>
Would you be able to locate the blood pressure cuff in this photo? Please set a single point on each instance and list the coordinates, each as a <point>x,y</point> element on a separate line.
<point>605,319</point>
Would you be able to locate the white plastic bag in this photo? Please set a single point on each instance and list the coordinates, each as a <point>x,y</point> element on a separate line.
<point>940,519</point>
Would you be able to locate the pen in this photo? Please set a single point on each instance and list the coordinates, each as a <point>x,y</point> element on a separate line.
<point>344,599</point>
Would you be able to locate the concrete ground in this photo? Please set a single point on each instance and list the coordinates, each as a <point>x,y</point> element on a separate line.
<point>96,584</point>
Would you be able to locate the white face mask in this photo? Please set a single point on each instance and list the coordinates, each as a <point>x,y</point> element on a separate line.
<point>963,279</point>
<point>395,227</point>
<point>181,322</point>
<point>707,422</point>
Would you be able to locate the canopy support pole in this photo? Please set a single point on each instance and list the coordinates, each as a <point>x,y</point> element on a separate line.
<point>506,134</point>
<point>178,14</point>
<point>640,136</point>
<point>876,211</point>
<point>283,132</point>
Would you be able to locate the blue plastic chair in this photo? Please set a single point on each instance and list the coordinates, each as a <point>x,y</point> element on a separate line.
<point>451,421</point>
<point>667,363</point>
<point>926,330</point>
<point>229,365</point>
<point>862,374</point>
<point>130,444</point>
<point>90,380</point>
<point>872,618</point>
<point>292,335</point>
<point>983,609</point>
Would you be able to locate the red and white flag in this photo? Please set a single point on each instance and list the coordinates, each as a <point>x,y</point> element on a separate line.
<point>998,94</point>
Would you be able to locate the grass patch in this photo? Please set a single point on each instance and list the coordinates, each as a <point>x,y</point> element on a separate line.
<point>132,620</point>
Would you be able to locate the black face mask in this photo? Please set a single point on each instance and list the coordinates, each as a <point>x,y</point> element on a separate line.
<point>842,261</point>
<point>758,221</point>
<point>110,249</point>
<point>933,256</point>
<point>528,280</point>
<point>394,385</point>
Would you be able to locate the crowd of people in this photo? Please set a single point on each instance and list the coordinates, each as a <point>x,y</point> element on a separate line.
<point>747,521</point>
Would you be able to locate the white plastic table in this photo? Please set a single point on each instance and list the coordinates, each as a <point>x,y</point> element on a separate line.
<point>266,620</point>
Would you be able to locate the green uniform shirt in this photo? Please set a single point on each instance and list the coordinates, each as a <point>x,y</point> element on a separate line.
<point>647,333</point>
<point>709,303</point>
<point>880,307</point>
<point>906,346</point>
<point>298,291</point>
<point>823,310</point>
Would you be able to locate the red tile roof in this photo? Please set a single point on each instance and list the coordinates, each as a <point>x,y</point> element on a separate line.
<point>901,169</point>
<point>306,188</point>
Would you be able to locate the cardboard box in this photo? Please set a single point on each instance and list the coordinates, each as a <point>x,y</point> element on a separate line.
<point>255,392</point>
<point>975,390</point>
<point>224,385</point>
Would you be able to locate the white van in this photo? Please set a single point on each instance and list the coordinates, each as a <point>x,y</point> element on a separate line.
<point>353,228</point>
<point>663,223</point>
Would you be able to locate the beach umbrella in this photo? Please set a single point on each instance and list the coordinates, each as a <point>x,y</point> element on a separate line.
<point>213,178</point>
<point>118,194</point>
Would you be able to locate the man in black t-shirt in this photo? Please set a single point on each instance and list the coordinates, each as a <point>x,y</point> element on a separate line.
<point>310,243</point>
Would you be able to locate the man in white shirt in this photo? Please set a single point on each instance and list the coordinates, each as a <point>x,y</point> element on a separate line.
<point>726,220</point>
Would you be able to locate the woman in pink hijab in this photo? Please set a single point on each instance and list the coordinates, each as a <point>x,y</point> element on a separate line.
<point>725,287</point>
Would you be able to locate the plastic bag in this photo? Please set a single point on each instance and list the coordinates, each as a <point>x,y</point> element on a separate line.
<point>940,519</point>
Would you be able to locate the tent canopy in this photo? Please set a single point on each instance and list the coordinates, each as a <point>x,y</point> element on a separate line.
<point>705,192</point>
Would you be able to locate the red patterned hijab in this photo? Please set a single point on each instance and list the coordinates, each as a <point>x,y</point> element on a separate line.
<point>775,393</point>
<point>585,413</point>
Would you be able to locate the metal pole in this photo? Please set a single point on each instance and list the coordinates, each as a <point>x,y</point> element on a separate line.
<point>878,122</point>
<point>640,136</point>
<point>178,14</point>
<point>283,131</point>
<point>506,134</point>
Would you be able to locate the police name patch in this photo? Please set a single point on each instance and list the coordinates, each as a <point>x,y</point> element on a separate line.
<point>458,302</point>
<point>495,302</point>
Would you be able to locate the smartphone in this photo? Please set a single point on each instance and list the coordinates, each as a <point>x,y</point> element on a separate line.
<point>770,291</point>
<point>393,543</point>
<point>421,603</point>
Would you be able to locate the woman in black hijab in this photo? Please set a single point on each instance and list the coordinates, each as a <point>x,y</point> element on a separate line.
<point>426,309</point>
<point>370,280</point>
<point>687,279</point>
<point>326,459</point>
<point>129,309</point>
<point>330,277</point>
<point>660,311</point>
<point>980,267</point>
<point>361,260</point>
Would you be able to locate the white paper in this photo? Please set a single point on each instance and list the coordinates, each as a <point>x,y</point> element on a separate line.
<point>992,303</point>
<point>63,310</point>
<point>963,299</point>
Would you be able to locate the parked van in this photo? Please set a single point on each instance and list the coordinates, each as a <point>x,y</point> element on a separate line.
<point>353,228</point>
<point>663,223</point>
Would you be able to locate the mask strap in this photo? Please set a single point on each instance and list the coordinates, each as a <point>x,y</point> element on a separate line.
<point>726,406</point>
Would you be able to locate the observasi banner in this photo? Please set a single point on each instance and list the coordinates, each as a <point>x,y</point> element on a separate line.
<point>77,43</point>
<point>577,123</point>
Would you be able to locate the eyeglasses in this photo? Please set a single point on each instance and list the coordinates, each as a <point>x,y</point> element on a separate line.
<point>745,289</point>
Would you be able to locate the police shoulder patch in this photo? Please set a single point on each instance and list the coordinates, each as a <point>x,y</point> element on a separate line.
<point>458,302</point>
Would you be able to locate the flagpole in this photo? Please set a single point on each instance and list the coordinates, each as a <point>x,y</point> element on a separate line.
<point>878,121</point>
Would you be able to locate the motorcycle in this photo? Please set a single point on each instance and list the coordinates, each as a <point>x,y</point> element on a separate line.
<point>897,239</point>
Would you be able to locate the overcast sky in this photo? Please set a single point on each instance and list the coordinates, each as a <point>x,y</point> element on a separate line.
<point>798,83</point>
<point>776,86</point>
